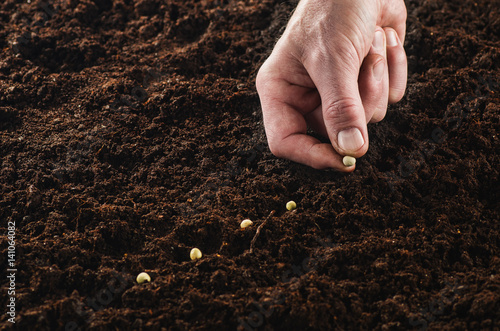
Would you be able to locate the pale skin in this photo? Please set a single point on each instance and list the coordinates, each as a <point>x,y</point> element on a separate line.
<point>335,69</point>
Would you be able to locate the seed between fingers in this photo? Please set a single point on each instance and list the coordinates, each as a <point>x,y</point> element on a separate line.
<point>349,161</point>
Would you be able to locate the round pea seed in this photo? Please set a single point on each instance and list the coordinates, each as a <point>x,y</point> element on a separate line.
<point>291,205</point>
<point>349,161</point>
<point>143,277</point>
<point>195,254</point>
<point>246,223</point>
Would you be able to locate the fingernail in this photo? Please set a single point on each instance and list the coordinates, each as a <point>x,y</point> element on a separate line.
<point>350,140</point>
<point>378,70</point>
<point>392,39</point>
<point>378,40</point>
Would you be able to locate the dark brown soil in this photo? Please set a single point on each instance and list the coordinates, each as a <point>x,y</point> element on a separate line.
<point>131,132</point>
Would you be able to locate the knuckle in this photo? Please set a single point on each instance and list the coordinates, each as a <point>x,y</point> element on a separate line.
<point>263,77</point>
<point>260,80</point>
<point>342,110</point>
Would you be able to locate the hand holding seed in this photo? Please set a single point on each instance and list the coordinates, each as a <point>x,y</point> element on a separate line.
<point>335,68</point>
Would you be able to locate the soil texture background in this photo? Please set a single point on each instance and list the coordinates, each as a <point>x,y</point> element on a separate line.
<point>131,132</point>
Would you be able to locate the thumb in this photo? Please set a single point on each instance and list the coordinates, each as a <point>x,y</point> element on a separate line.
<point>342,108</point>
<point>346,126</point>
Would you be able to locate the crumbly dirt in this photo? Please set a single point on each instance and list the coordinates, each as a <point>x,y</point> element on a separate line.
<point>130,132</point>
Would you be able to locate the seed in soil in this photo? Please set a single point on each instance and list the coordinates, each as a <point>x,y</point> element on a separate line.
<point>143,277</point>
<point>246,223</point>
<point>291,205</point>
<point>195,254</point>
<point>349,161</point>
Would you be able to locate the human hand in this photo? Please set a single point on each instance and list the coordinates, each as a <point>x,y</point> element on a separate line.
<point>335,69</point>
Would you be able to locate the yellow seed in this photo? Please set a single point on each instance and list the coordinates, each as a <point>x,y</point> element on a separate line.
<point>349,161</point>
<point>143,277</point>
<point>246,223</point>
<point>195,254</point>
<point>291,205</point>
